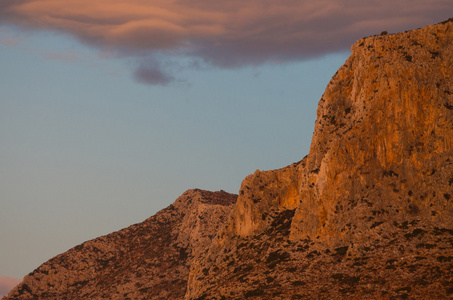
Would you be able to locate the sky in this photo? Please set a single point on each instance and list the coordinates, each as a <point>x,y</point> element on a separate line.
<point>109,110</point>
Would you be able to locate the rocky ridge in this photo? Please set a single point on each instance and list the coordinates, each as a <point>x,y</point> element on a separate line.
<point>366,214</point>
<point>142,261</point>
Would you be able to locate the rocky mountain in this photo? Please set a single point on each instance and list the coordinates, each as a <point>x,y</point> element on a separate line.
<point>149,260</point>
<point>367,214</point>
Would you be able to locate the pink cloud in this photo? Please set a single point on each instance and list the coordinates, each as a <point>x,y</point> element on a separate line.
<point>7,284</point>
<point>224,33</point>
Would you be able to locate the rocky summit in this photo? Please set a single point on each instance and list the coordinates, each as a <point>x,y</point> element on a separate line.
<point>367,214</point>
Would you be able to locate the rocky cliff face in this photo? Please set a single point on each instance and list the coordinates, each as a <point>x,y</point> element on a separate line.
<point>383,131</point>
<point>149,260</point>
<point>366,214</point>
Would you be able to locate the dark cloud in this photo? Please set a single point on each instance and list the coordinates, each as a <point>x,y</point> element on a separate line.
<point>224,33</point>
<point>152,75</point>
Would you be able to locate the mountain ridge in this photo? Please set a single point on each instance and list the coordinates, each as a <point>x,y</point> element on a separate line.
<point>148,259</point>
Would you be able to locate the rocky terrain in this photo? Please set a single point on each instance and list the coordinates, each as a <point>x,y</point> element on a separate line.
<point>367,214</point>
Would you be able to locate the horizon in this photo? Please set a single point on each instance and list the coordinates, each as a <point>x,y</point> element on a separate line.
<point>101,132</point>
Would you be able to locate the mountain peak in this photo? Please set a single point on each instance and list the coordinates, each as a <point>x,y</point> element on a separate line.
<point>207,197</point>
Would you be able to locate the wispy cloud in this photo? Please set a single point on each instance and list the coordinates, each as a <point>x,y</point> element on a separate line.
<point>223,33</point>
<point>7,284</point>
<point>7,39</point>
<point>66,56</point>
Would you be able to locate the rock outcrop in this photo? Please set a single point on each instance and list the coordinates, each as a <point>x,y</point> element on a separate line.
<point>367,214</point>
<point>149,260</point>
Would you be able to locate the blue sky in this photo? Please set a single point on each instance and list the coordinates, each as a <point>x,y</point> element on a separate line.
<point>91,145</point>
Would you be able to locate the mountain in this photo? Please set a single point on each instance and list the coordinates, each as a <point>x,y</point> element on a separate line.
<point>142,261</point>
<point>367,214</point>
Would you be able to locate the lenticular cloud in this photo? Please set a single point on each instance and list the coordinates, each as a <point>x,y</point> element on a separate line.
<point>223,33</point>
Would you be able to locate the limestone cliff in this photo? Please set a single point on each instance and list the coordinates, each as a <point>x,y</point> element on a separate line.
<point>149,260</point>
<point>383,135</point>
<point>384,130</point>
<point>368,212</point>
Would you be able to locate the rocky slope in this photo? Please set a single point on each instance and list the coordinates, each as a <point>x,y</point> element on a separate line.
<point>149,260</point>
<point>367,214</point>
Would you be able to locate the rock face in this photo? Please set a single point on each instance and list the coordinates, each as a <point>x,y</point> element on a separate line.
<point>367,214</point>
<point>149,260</point>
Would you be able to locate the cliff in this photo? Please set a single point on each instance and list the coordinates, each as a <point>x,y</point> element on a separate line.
<point>367,214</point>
